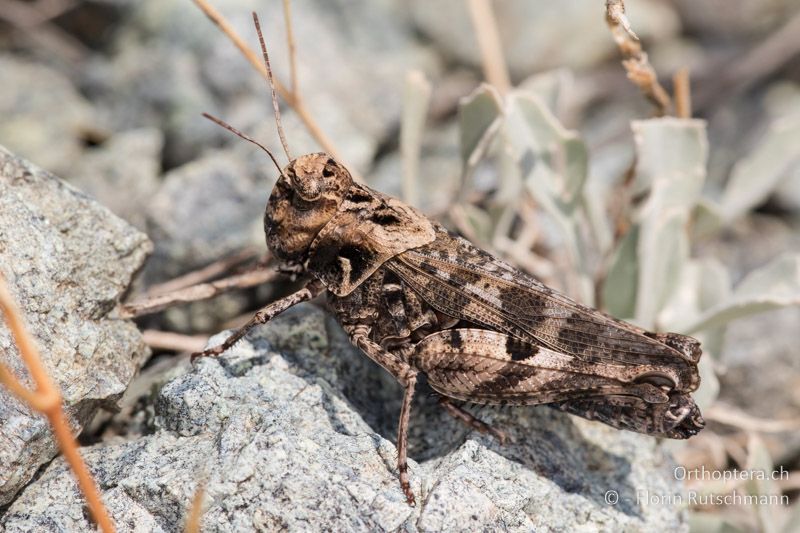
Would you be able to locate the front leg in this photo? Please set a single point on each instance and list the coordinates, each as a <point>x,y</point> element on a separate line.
<point>407,376</point>
<point>264,315</point>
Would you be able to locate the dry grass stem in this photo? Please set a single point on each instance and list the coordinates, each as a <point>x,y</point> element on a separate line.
<point>287,20</point>
<point>682,91</point>
<point>204,274</point>
<point>175,342</point>
<point>494,63</point>
<point>203,291</point>
<point>727,414</point>
<point>792,482</point>
<point>291,98</point>
<point>194,520</point>
<point>46,399</point>
<point>33,21</point>
<point>635,61</point>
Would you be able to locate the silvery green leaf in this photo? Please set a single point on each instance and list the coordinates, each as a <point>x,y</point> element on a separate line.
<point>619,287</point>
<point>479,117</point>
<point>549,86</point>
<point>510,184</point>
<point>575,162</point>
<point>416,98</point>
<point>551,145</point>
<point>594,208</point>
<point>773,286</point>
<point>671,159</point>
<point>580,283</point>
<point>662,249</point>
<point>480,222</point>
<point>673,149</point>
<point>708,392</point>
<point>756,176</point>
<point>704,283</point>
<point>707,218</point>
<point>715,283</point>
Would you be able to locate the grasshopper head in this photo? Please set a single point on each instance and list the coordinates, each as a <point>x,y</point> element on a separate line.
<point>306,196</point>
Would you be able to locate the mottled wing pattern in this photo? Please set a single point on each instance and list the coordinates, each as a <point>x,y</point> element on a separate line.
<point>368,229</point>
<point>485,366</point>
<point>460,280</point>
<point>488,367</point>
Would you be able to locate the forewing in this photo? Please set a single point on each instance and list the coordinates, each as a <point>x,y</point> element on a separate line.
<point>463,281</point>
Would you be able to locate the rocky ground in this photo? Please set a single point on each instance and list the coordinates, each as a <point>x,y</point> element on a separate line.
<point>291,429</point>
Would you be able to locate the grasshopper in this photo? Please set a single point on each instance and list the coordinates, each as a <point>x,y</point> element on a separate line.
<point>417,299</point>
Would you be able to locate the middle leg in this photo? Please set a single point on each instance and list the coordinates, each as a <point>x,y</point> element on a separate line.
<point>407,376</point>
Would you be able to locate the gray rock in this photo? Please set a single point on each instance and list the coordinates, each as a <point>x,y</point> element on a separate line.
<point>44,117</point>
<point>204,210</point>
<point>67,261</point>
<point>123,173</point>
<point>171,63</point>
<point>290,430</point>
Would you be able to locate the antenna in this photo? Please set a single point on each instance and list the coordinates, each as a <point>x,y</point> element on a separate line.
<point>272,87</point>
<point>230,128</point>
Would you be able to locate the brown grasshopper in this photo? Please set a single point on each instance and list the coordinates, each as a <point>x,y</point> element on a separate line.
<point>418,299</point>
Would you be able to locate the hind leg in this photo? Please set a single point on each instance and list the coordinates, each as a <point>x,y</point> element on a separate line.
<point>466,418</point>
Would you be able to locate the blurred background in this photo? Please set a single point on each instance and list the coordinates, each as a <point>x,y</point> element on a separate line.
<point>107,94</point>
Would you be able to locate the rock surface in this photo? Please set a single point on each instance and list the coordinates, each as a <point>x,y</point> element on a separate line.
<point>168,63</point>
<point>206,209</point>
<point>122,173</point>
<point>44,116</point>
<point>291,431</point>
<point>67,261</point>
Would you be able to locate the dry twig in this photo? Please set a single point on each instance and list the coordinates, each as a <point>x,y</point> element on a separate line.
<point>635,59</point>
<point>730,415</point>
<point>46,399</point>
<point>176,342</point>
<point>494,63</point>
<point>287,20</point>
<point>681,90</point>
<point>203,291</point>
<point>194,520</point>
<point>206,273</point>
<point>292,98</point>
<point>33,21</point>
